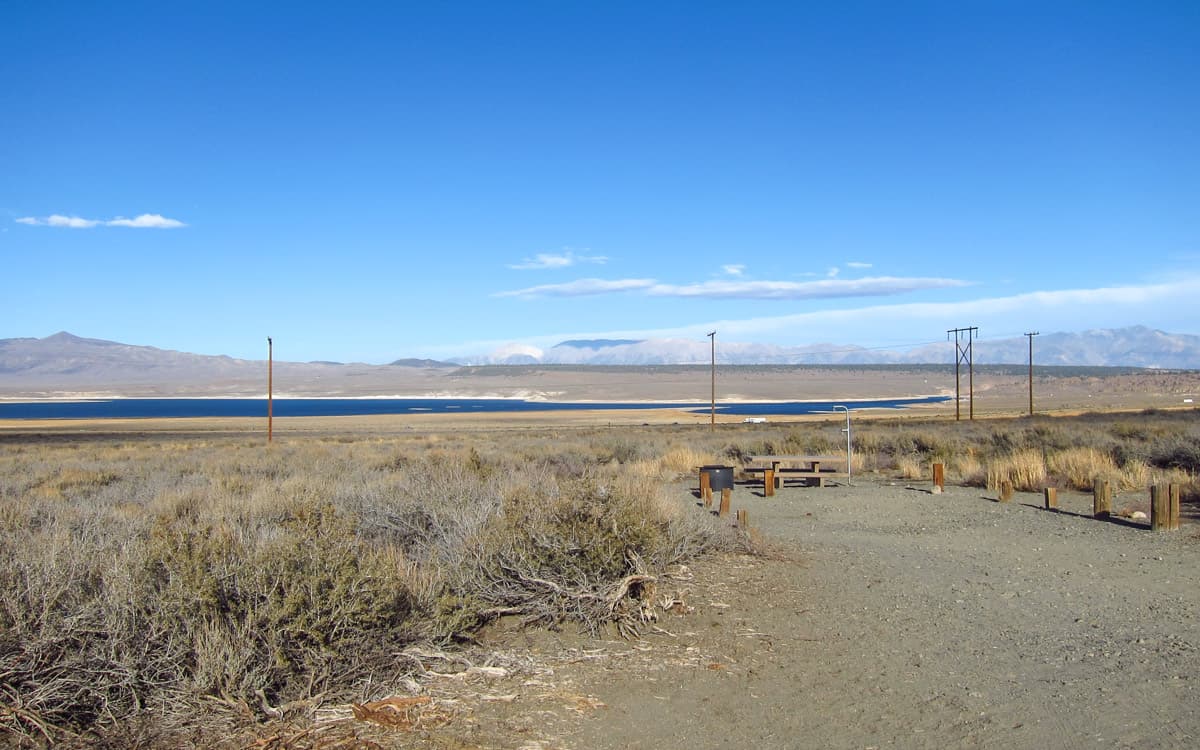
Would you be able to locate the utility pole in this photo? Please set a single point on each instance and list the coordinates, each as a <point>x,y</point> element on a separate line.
<point>1031,334</point>
<point>963,352</point>
<point>712,416</point>
<point>270,387</point>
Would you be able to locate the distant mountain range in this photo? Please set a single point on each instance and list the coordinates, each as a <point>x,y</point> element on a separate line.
<point>1136,346</point>
<point>64,363</point>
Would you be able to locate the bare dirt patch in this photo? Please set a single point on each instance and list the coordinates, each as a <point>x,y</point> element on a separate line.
<point>884,616</point>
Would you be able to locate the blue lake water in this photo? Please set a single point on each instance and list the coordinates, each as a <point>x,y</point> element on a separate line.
<point>135,408</point>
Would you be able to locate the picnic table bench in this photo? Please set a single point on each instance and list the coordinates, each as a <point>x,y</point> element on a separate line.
<point>774,467</point>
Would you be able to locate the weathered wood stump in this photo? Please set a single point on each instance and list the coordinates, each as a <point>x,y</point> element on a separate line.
<point>1101,499</point>
<point>1160,508</point>
<point>1051,497</point>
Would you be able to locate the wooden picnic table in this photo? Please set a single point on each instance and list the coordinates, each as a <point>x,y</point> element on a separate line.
<point>808,467</point>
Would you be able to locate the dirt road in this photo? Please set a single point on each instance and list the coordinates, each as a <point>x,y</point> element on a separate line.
<point>884,616</point>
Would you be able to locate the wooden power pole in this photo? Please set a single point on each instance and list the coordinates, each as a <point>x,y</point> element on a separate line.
<point>270,388</point>
<point>964,339</point>
<point>712,415</point>
<point>1031,334</point>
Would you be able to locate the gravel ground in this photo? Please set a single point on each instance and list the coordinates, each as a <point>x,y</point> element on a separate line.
<point>882,616</point>
<point>909,619</point>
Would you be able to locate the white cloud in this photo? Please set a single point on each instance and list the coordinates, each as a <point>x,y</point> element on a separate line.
<point>826,288</point>
<point>1172,306</point>
<point>734,269</point>
<point>58,220</point>
<point>858,264</point>
<point>543,261</point>
<point>144,221</point>
<point>580,288</point>
<point>833,272</point>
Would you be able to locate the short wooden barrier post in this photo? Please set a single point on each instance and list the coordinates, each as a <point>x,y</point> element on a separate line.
<point>1160,508</point>
<point>1101,498</point>
<point>769,483</point>
<point>1006,491</point>
<point>1051,494</point>
<point>742,518</point>
<point>939,478</point>
<point>724,509</point>
<point>1173,492</point>
<point>705,488</point>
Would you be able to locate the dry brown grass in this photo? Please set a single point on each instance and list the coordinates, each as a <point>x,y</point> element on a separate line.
<point>1024,470</point>
<point>208,580</point>
<point>199,579</point>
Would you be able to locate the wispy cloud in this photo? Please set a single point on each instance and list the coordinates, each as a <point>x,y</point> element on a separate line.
<point>58,220</point>
<point>734,269</point>
<point>143,221</point>
<point>566,259</point>
<point>858,264</point>
<point>580,288</point>
<point>823,289</point>
<point>1172,305</point>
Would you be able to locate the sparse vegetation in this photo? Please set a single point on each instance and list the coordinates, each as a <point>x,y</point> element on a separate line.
<point>211,580</point>
<point>207,581</point>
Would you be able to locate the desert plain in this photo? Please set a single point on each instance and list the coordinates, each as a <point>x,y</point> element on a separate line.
<point>868,613</point>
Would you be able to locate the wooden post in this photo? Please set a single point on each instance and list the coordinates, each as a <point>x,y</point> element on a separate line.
<point>1173,498</point>
<point>1051,495</point>
<point>939,478</point>
<point>769,483</point>
<point>1101,498</point>
<point>742,519</point>
<point>705,488</point>
<point>1006,491</point>
<point>1160,508</point>
<point>724,509</point>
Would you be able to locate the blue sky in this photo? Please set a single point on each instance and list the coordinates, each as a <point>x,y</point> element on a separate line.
<point>368,181</point>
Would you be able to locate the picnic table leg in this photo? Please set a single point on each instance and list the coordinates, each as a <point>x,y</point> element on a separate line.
<point>768,483</point>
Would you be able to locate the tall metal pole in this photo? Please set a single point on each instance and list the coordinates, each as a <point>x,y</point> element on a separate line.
<point>712,417</point>
<point>847,431</point>
<point>270,388</point>
<point>1031,335</point>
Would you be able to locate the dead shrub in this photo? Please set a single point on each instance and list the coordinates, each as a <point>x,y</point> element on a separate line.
<point>910,466</point>
<point>1025,470</point>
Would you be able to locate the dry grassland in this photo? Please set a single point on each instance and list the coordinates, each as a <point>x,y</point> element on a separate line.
<point>159,588</point>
